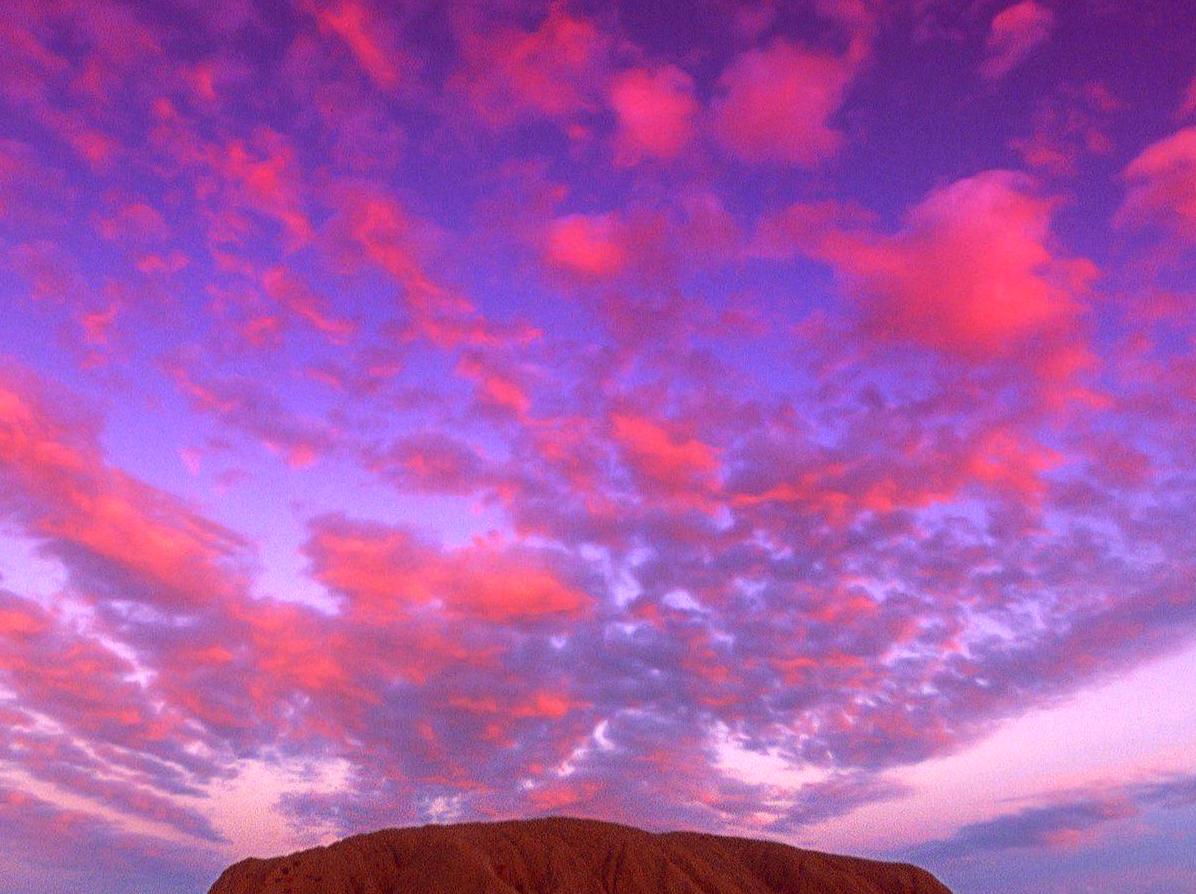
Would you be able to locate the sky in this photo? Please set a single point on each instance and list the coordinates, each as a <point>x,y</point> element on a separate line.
<point>773,419</point>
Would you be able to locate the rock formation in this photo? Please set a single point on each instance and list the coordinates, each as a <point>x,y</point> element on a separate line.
<point>562,855</point>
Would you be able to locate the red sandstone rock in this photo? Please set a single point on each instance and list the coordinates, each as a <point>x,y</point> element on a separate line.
<point>561,855</point>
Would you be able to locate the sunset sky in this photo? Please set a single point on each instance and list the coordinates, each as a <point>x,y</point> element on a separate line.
<point>773,419</point>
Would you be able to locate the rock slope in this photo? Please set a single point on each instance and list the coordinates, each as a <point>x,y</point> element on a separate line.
<point>561,855</point>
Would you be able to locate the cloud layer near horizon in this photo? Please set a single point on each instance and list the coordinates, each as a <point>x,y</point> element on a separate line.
<point>500,409</point>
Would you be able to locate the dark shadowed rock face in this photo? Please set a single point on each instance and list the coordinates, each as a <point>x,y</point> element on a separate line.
<point>565,856</point>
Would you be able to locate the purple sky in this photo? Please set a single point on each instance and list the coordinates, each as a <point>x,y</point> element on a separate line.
<point>775,419</point>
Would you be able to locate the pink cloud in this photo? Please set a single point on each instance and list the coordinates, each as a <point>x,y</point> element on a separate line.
<point>136,222</point>
<point>1065,821</point>
<point>387,573</point>
<point>72,498</point>
<point>1068,126</point>
<point>655,111</point>
<point>264,178</point>
<point>498,389</point>
<point>589,245</point>
<point>668,460</point>
<point>432,462</point>
<point>1187,105</point>
<point>1015,33</point>
<point>361,32</point>
<point>168,264</point>
<point>65,850</point>
<point>52,275</point>
<point>775,104</point>
<point>491,586</point>
<point>555,70</point>
<point>1162,186</point>
<point>244,405</point>
<point>97,325</point>
<point>971,274</point>
<point>996,461</point>
<point>131,732</point>
<point>296,296</point>
<point>371,225</point>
